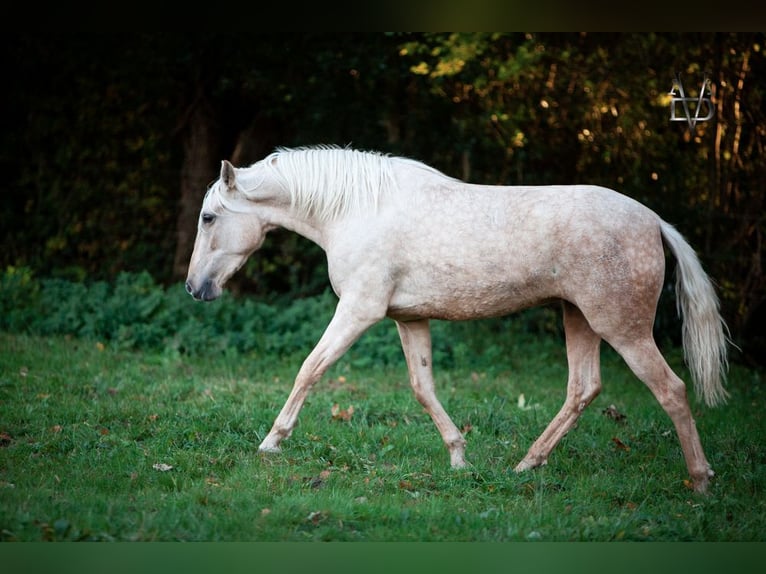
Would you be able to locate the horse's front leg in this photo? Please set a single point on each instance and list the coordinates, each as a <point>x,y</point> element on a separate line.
<point>416,342</point>
<point>346,326</point>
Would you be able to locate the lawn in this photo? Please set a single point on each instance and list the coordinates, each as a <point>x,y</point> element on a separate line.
<point>102,443</point>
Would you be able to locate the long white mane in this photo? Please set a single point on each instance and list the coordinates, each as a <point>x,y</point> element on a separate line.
<point>328,182</point>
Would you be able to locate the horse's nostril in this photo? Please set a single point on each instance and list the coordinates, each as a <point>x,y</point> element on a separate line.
<point>189,288</point>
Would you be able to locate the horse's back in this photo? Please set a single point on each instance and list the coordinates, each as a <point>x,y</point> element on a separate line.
<point>463,251</point>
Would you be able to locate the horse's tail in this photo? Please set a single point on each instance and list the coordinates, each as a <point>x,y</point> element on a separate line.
<point>704,331</point>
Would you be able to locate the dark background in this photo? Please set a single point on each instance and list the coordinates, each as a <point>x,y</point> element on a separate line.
<point>109,141</point>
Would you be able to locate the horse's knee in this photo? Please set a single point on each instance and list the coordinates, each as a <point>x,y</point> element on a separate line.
<point>420,396</point>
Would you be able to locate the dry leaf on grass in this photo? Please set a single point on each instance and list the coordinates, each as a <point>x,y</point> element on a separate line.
<point>522,404</point>
<point>339,414</point>
<point>162,467</point>
<point>612,413</point>
<point>620,445</point>
<point>315,517</point>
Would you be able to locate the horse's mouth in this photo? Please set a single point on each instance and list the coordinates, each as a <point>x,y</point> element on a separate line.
<point>208,291</point>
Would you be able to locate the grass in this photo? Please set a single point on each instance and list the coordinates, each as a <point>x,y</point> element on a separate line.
<point>103,444</point>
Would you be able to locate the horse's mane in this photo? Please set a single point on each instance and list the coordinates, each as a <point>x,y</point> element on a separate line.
<point>329,181</point>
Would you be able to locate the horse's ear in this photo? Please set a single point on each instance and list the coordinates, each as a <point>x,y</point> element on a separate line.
<point>228,177</point>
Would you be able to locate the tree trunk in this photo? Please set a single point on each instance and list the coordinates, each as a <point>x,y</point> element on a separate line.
<point>198,171</point>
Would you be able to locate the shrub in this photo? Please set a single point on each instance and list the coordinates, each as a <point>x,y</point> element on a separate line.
<point>137,313</point>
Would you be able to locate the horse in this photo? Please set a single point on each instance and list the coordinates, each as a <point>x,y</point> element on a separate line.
<point>405,241</point>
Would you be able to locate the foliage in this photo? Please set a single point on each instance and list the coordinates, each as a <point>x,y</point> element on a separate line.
<point>136,313</point>
<point>94,138</point>
<point>100,444</point>
<point>88,155</point>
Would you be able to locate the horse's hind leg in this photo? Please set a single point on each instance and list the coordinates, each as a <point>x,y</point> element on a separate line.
<point>416,342</point>
<point>646,361</point>
<point>583,386</point>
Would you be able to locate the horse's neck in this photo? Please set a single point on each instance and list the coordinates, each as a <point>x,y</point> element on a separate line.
<point>273,204</point>
<point>281,215</point>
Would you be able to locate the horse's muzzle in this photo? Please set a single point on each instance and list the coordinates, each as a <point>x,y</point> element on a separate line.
<point>206,292</point>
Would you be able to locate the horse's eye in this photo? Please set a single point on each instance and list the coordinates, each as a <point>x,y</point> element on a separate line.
<point>208,218</point>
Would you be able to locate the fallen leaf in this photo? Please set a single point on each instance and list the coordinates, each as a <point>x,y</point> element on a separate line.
<point>5,439</point>
<point>521,403</point>
<point>162,467</point>
<point>467,427</point>
<point>315,482</point>
<point>265,511</point>
<point>342,414</point>
<point>612,413</point>
<point>620,445</point>
<point>315,517</point>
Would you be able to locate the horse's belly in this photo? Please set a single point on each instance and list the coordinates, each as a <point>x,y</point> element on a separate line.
<point>451,300</point>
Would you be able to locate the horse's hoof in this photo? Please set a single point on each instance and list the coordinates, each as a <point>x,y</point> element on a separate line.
<point>701,485</point>
<point>522,466</point>
<point>527,465</point>
<point>457,460</point>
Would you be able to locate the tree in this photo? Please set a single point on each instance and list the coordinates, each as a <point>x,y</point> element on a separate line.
<point>109,142</point>
<point>593,108</point>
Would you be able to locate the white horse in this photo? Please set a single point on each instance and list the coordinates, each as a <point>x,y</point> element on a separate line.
<point>405,241</point>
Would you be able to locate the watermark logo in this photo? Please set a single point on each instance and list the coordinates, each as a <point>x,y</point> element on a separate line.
<point>679,97</point>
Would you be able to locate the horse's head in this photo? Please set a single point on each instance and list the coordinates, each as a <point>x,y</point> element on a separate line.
<point>229,230</point>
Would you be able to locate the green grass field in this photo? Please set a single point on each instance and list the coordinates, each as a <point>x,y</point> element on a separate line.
<point>105,444</point>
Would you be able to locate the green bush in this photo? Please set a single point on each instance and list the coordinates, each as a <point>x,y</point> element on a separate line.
<point>135,313</point>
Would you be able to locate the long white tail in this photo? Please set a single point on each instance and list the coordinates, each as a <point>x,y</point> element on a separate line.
<point>704,331</point>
